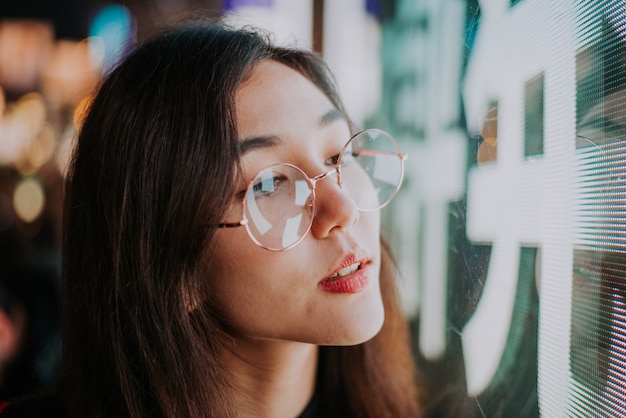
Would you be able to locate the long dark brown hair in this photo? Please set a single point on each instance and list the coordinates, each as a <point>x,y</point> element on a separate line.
<point>142,182</point>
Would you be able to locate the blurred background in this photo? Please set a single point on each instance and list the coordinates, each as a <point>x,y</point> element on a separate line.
<point>509,229</point>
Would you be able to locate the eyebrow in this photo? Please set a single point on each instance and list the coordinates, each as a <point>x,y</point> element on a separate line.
<point>268,141</point>
<point>258,142</point>
<point>331,116</point>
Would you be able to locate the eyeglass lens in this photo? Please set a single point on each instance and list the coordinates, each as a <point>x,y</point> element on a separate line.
<point>280,201</point>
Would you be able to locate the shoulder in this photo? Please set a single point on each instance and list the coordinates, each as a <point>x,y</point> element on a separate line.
<point>41,406</point>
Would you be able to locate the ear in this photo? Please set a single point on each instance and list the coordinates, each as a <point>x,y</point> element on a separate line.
<point>190,300</point>
<point>191,305</point>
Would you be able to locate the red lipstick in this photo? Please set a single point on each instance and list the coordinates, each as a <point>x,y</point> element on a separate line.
<point>350,277</point>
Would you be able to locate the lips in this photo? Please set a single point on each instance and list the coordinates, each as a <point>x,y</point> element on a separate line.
<point>351,276</point>
<point>346,271</point>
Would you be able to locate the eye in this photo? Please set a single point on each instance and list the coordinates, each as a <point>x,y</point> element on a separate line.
<point>346,158</point>
<point>269,185</point>
<point>332,161</point>
<point>349,157</point>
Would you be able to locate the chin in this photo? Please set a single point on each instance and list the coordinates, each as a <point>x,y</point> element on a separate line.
<point>361,325</point>
<point>370,329</point>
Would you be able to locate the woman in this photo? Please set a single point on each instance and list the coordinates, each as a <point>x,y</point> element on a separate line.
<point>196,288</point>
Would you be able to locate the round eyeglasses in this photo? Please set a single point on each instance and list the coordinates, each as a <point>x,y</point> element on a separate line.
<point>279,203</point>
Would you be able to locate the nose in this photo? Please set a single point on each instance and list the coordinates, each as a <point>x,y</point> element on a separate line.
<point>334,208</point>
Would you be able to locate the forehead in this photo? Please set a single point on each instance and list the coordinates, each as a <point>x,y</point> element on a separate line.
<point>274,99</point>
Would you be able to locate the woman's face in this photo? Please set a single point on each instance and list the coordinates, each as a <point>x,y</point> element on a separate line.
<point>292,295</point>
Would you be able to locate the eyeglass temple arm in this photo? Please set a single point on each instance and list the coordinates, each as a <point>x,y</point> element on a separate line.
<point>403,156</point>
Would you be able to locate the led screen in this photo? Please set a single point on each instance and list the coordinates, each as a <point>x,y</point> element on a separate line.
<point>513,216</point>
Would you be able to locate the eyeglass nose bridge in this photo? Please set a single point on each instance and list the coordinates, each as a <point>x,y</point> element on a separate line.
<point>314,180</point>
<point>322,176</point>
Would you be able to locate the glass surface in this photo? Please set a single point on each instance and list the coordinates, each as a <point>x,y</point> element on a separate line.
<point>511,228</point>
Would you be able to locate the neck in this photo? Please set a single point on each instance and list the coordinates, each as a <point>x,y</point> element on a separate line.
<point>274,378</point>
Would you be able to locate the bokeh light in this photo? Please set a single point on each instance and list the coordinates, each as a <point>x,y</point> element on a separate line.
<point>111,35</point>
<point>25,46</point>
<point>29,199</point>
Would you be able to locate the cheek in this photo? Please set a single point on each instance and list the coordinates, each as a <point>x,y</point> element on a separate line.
<point>368,227</point>
<point>229,256</point>
<point>244,281</point>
